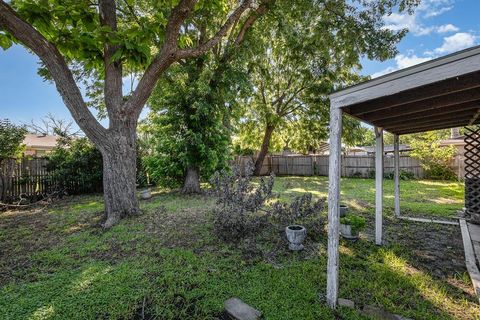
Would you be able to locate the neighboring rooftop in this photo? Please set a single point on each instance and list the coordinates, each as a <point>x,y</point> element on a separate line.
<point>40,141</point>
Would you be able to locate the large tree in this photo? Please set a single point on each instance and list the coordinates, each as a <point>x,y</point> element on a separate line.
<point>304,53</point>
<point>189,136</point>
<point>191,109</point>
<point>104,41</point>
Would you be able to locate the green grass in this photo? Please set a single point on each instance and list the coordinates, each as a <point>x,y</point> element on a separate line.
<point>58,264</point>
<point>417,197</point>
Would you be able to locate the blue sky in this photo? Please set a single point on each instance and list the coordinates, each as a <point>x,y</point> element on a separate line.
<point>437,28</point>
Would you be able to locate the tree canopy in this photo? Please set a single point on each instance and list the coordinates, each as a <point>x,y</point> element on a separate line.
<point>11,138</point>
<point>298,54</point>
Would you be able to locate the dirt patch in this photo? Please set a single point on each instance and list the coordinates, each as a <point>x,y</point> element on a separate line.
<point>23,232</point>
<point>435,248</point>
<point>181,228</point>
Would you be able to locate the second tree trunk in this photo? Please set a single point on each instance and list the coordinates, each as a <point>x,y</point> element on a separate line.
<point>191,183</point>
<point>264,149</point>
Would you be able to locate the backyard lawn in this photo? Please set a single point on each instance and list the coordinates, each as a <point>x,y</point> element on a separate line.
<point>57,263</point>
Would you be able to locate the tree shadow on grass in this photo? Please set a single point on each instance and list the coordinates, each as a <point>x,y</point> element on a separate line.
<point>387,277</point>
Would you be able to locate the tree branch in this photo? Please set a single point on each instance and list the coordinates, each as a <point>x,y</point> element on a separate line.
<point>231,20</point>
<point>261,10</point>
<point>166,56</point>
<point>113,69</point>
<point>170,52</point>
<point>58,68</point>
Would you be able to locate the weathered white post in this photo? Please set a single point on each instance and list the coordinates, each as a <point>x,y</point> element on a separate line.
<point>333,204</point>
<point>396,160</point>
<point>378,184</point>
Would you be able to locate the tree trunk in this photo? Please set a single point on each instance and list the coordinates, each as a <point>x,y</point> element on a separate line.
<point>264,149</point>
<point>191,184</point>
<point>119,176</point>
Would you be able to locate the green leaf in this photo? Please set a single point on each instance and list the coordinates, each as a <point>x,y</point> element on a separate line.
<point>5,42</point>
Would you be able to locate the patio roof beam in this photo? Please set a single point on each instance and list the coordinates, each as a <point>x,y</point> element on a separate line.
<point>474,118</point>
<point>437,89</point>
<point>473,105</point>
<point>436,103</point>
<point>430,127</point>
<point>419,123</point>
<point>434,126</point>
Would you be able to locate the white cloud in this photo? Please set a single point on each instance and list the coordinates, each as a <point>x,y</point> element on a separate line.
<point>447,28</point>
<point>434,13</point>
<point>415,22</point>
<point>399,21</point>
<point>402,61</point>
<point>456,42</point>
<point>382,72</point>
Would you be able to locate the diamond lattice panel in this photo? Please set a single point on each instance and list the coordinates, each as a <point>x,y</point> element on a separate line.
<point>472,174</point>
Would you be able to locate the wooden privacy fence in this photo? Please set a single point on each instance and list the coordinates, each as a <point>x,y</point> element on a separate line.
<point>29,178</point>
<point>317,165</point>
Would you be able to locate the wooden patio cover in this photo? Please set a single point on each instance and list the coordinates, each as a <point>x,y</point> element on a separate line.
<point>438,94</point>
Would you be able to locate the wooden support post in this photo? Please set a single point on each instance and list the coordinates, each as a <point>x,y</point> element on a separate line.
<point>378,184</point>
<point>333,204</point>
<point>396,160</point>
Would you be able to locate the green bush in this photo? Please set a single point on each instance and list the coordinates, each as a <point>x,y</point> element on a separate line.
<point>76,166</point>
<point>357,174</point>
<point>439,172</point>
<point>404,175</point>
<point>11,138</point>
<point>434,157</point>
<point>357,223</point>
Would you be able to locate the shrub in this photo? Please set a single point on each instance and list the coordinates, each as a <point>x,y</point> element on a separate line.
<point>357,223</point>
<point>435,158</point>
<point>241,206</point>
<point>436,171</point>
<point>404,175</point>
<point>371,174</point>
<point>357,174</point>
<point>11,138</point>
<point>238,202</point>
<point>76,166</point>
<point>300,211</point>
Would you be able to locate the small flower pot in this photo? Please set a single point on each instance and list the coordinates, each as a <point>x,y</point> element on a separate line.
<point>146,194</point>
<point>346,232</point>
<point>343,210</point>
<point>295,235</point>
